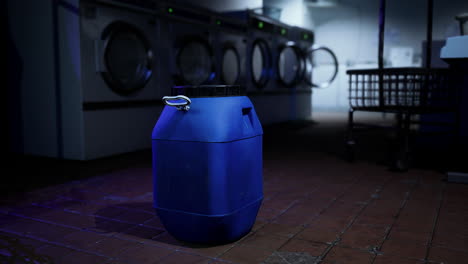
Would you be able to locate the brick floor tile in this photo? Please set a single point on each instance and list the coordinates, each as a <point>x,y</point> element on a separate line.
<point>259,223</point>
<point>85,195</point>
<point>316,234</point>
<point>105,226</point>
<point>363,236</point>
<point>56,253</point>
<point>136,217</point>
<point>447,256</point>
<point>143,206</point>
<point>110,246</point>
<point>154,222</point>
<point>79,257</point>
<point>97,210</point>
<point>16,247</point>
<point>451,240</point>
<point>276,258</point>
<point>425,195</point>
<point>342,209</point>
<point>206,250</point>
<point>298,245</point>
<point>279,230</point>
<point>404,248</point>
<point>82,239</point>
<point>58,203</point>
<point>294,216</point>
<point>180,258</point>
<point>340,255</point>
<point>333,223</point>
<point>144,254</point>
<point>454,226</point>
<point>85,207</point>
<point>309,207</point>
<point>140,233</point>
<point>268,214</point>
<point>113,261</point>
<point>166,240</point>
<point>409,235</point>
<point>70,219</point>
<point>422,216</point>
<point>375,220</point>
<point>41,230</point>
<point>416,224</point>
<point>278,204</point>
<point>30,210</point>
<point>9,238</point>
<point>383,259</point>
<point>246,255</point>
<point>384,206</point>
<point>290,257</point>
<point>265,241</point>
<point>6,219</point>
<point>393,194</point>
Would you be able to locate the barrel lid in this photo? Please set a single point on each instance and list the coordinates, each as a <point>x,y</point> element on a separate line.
<point>209,90</point>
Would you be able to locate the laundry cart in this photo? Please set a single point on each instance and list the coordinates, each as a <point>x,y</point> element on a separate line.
<point>405,92</point>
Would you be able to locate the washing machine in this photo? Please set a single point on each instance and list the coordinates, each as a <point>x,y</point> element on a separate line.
<point>289,63</point>
<point>260,56</point>
<point>231,50</point>
<point>320,68</point>
<point>320,62</point>
<point>187,38</point>
<point>272,104</point>
<point>290,67</point>
<point>92,90</point>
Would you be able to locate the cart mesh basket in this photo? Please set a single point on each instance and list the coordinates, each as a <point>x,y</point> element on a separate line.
<point>416,90</point>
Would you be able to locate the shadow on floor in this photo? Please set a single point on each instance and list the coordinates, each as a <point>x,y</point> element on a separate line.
<point>140,230</point>
<point>378,146</point>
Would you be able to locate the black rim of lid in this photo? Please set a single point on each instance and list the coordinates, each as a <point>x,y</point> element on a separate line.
<point>209,90</point>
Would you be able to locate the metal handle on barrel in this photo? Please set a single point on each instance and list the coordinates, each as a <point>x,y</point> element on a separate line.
<point>182,106</point>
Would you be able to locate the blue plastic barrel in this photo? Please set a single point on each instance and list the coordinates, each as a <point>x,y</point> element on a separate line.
<point>207,164</point>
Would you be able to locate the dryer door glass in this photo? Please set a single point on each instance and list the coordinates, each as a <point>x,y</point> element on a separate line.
<point>260,63</point>
<point>128,59</point>
<point>231,66</point>
<point>195,62</point>
<point>321,67</point>
<point>289,66</point>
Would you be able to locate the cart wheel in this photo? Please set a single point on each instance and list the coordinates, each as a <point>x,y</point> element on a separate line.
<point>350,151</point>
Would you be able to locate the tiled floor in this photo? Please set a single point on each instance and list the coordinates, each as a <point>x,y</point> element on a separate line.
<point>317,209</point>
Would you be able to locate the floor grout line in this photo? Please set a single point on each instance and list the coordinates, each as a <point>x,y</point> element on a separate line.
<point>96,216</point>
<point>53,243</point>
<point>333,201</point>
<point>395,218</point>
<point>294,202</point>
<point>365,205</point>
<point>435,221</point>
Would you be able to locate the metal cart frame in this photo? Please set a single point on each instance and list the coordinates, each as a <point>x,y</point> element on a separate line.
<point>402,91</point>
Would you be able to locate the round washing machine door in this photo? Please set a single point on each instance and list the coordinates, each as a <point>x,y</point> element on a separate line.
<point>128,58</point>
<point>321,66</point>
<point>260,63</point>
<point>290,66</point>
<point>230,66</point>
<point>195,62</point>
